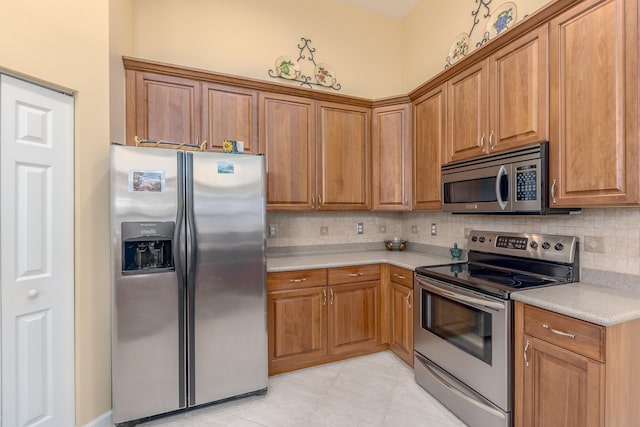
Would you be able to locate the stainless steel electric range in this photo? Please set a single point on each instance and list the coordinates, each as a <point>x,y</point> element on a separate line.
<point>463,322</point>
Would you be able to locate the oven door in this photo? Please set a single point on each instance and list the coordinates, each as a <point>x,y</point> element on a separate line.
<point>466,334</point>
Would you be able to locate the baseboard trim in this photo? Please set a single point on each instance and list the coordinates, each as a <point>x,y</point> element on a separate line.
<point>103,420</point>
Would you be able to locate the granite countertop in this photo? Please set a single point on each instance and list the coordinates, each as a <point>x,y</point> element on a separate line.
<point>601,305</point>
<point>406,259</point>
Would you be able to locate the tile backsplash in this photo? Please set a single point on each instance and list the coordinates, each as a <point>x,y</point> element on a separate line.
<point>609,237</point>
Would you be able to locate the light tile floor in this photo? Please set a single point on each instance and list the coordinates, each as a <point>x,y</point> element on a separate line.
<point>373,390</point>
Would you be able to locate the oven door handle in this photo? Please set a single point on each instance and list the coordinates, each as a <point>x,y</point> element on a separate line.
<point>501,172</point>
<point>463,298</point>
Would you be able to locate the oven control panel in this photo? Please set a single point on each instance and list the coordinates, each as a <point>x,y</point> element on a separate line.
<point>529,245</point>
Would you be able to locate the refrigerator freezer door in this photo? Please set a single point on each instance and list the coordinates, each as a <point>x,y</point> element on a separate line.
<point>148,311</point>
<point>227,326</point>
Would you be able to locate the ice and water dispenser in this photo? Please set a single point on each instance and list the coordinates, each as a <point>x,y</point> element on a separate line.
<point>147,247</point>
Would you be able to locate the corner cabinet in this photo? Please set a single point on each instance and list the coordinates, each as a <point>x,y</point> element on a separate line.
<point>594,104</point>
<point>343,157</point>
<point>429,136</point>
<point>501,102</point>
<point>391,152</point>
<point>401,313</point>
<point>574,373</point>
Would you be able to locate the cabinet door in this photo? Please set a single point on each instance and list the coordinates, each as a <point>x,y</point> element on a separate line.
<point>297,327</point>
<point>468,115</point>
<point>343,157</point>
<point>401,336</point>
<point>162,107</point>
<point>519,96</point>
<point>354,317</point>
<point>594,104</point>
<point>561,388</point>
<point>287,138</point>
<point>429,140</point>
<point>391,150</point>
<point>229,113</point>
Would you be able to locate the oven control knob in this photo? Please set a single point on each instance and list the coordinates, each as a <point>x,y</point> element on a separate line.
<point>474,238</point>
<point>546,245</point>
<point>534,245</point>
<point>559,246</point>
<point>481,239</point>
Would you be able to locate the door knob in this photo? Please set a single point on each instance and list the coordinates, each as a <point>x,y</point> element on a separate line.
<point>32,293</point>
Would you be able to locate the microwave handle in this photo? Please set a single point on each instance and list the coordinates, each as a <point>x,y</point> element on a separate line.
<point>501,172</point>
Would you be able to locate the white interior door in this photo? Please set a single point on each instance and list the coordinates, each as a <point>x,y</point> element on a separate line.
<point>36,255</point>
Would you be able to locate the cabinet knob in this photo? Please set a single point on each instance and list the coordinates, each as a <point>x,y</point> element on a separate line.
<point>33,293</point>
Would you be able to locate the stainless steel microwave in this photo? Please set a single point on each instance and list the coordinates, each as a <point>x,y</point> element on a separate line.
<point>510,182</point>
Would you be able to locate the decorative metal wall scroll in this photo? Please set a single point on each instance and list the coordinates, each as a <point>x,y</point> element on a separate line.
<point>288,69</point>
<point>502,18</point>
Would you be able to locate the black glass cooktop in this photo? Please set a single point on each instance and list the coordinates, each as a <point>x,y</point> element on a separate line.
<point>487,279</point>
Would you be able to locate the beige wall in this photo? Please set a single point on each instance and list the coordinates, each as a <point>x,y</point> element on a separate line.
<point>244,37</point>
<point>65,44</point>
<point>430,28</point>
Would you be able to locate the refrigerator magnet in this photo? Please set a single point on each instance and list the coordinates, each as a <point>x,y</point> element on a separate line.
<point>226,167</point>
<point>146,181</point>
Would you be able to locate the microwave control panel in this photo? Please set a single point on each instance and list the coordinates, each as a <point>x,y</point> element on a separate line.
<point>526,183</point>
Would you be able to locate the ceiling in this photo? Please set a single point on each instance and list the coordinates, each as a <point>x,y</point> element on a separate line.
<point>393,8</point>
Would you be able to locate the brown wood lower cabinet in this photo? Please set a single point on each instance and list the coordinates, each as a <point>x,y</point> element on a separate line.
<point>401,313</point>
<point>323,315</point>
<point>569,372</point>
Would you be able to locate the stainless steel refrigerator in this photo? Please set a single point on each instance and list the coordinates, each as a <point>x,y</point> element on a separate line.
<point>188,274</point>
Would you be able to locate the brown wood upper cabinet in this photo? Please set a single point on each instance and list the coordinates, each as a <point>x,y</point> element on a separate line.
<point>317,154</point>
<point>429,131</point>
<point>391,152</point>
<point>288,140</point>
<point>162,107</point>
<point>229,113</point>
<point>501,102</point>
<point>343,157</point>
<point>187,110</point>
<point>594,104</point>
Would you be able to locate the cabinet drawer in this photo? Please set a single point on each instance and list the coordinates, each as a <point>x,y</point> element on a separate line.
<point>296,279</point>
<point>401,276</point>
<point>573,334</point>
<point>356,273</point>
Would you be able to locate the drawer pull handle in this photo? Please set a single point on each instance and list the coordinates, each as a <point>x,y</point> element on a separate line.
<point>356,274</point>
<point>407,298</point>
<point>331,291</point>
<point>557,332</point>
<point>526,360</point>
<point>398,276</point>
<point>297,280</point>
<point>324,302</point>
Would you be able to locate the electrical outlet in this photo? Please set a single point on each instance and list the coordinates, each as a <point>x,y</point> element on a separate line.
<point>434,229</point>
<point>273,230</point>
<point>324,230</point>
<point>360,228</point>
<point>414,229</point>
<point>383,228</point>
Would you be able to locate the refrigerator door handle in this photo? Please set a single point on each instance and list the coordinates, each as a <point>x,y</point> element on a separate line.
<point>192,254</point>
<point>192,242</point>
<point>179,257</point>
